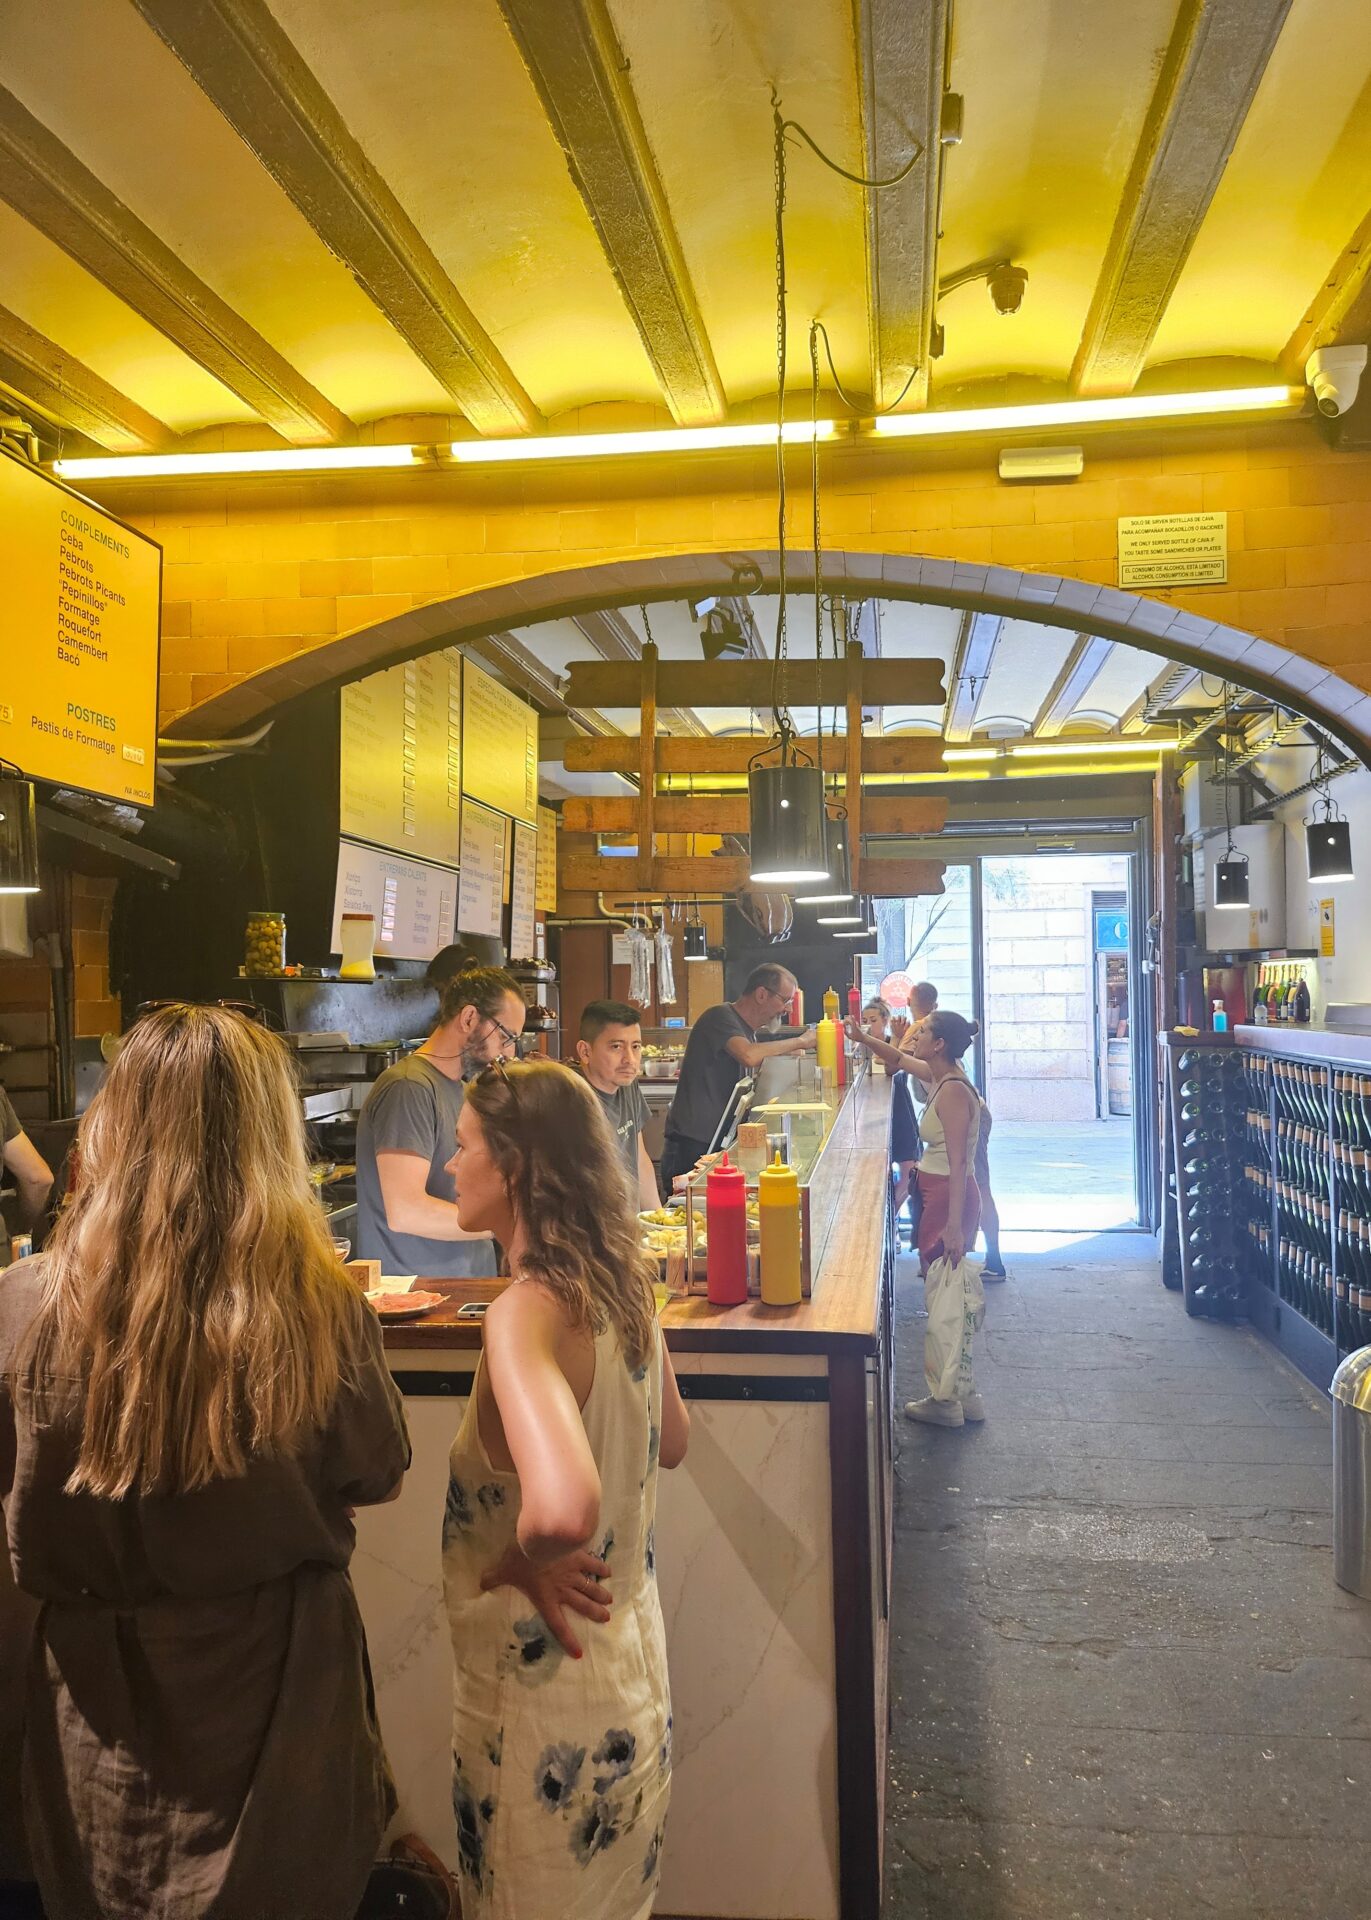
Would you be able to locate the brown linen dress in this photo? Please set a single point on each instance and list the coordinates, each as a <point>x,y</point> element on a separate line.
<point>200,1732</point>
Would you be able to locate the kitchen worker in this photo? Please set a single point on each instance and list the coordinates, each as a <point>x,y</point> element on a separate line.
<point>406,1199</point>
<point>610,1050</point>
<point>722,1047</point>
<point>26,1167</point>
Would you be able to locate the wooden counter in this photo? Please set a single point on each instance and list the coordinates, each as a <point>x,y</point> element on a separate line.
<point>773,1557</point>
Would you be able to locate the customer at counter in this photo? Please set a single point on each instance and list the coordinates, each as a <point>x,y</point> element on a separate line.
<point>193,1397</point>
<point>610,1051</point>
<point>561,1765</point>
<point>723,1045</point>
<point>406,1210</point>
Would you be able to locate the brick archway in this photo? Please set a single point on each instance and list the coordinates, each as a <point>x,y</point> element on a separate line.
<point>1334,703</point>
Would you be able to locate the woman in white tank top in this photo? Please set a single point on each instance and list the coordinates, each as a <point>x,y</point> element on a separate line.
<point>949,1128</point>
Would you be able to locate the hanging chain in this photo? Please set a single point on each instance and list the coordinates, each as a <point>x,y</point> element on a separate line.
<point>778,672</point>
<point>647,626</point>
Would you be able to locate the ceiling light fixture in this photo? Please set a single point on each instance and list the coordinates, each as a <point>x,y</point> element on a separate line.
<point>963,756</point>
<point>785,805</point>
<point>837,885</point>
<point>1105,746</point>
<point>1231,877</point>
<point>203,466</point>
<point>590,446</point>
<point>18,835</point>
<point>1086,413</point>
<point>1327,835</point>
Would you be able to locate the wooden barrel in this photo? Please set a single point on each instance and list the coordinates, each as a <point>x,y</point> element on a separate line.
<point>1119,1076</point>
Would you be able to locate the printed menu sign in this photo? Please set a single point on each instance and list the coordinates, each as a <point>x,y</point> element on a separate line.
<point>499,747</point>
<point>480,901</point>
<point>80,622</point>
<point>522,892</point>
<point>413,903</point>
<point>546,900</point>
<point>400,758</point>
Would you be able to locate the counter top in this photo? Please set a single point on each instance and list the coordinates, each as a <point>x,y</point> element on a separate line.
<point>1313,1040</point>
<point>848,1225</point>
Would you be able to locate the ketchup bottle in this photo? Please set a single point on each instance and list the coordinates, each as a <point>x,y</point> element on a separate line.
<point>854,1003</point>
<point>726,1225</point>
<point>797,1008</point>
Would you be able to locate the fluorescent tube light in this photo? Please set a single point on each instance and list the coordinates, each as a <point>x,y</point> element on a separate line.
<point>1090,749</point>
<point>154,466</point>
<point>959,756</point>
<point>591,446</point>
<point>1085,413</point>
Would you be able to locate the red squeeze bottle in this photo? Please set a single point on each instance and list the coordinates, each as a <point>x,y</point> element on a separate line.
<point>797,1009</point>
<point>726,1223</point>
<point>854,1003</point>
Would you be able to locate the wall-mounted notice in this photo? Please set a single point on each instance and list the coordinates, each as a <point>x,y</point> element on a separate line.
<point>414,903</point>
<point>523,892</point>
<point>1327,930</point>
<point>400,758</point>
<point>481,894</point>
<point>499,747</point>
<point>1173,550</point>
<point>80,621</point>
<point>546,901</point>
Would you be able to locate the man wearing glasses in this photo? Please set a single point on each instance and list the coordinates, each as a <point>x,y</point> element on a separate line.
<point>722,1047</point>
<point>406,1205</point>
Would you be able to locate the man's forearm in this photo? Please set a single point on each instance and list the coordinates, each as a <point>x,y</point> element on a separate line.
<point>430,1218</point>
<point>33,1198</point>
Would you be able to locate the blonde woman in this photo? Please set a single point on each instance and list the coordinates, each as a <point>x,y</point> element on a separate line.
<point>192,1398</point>
<point>562,1728</point>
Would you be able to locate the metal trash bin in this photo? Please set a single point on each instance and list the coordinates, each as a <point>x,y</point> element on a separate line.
<point>1352,1473</point>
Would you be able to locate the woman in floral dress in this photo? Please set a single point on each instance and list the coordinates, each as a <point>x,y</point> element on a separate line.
<point>561,1734</point>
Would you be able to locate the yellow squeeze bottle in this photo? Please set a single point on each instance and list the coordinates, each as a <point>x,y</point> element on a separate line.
<point>778,1211</point>
<point>831,1004</point>
<point>826,1046</point>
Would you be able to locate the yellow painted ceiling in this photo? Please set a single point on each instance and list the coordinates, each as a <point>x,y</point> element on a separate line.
<point>1056,93</point>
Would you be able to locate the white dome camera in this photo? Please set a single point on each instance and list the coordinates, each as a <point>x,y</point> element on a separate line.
<point>1334,373</point>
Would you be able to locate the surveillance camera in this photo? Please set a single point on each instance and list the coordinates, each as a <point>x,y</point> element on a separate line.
<point>1335,373</point>
<point>1007,285</point>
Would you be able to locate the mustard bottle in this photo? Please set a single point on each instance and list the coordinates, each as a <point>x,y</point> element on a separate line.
<point>778,1211</point>
<point>826,1046</point>
<point>831,1003</point>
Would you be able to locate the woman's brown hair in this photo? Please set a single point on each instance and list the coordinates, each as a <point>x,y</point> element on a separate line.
<point>548,1136</point>
<point>190,1284</point>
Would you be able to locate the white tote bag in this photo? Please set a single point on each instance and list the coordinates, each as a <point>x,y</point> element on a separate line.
<point>956,1308</point>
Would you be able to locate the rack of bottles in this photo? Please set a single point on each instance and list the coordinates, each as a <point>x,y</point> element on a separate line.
<point>1271,1167</point>
<point>1281,996</point>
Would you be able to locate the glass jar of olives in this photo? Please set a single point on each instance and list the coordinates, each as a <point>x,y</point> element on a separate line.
<point>264,946</point>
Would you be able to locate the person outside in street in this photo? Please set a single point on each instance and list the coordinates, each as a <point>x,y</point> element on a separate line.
<point>406,1209</point>
<point>610,1051</point>
<point>722,1047</point>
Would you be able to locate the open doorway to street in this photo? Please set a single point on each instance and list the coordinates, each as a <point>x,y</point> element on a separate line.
<point>1039,949</point>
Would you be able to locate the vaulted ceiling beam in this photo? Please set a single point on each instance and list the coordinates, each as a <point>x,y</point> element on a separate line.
<point>902,53</point>
<point>1164,691</point>
<point>612,637</point>
<point>575,61</point>
<point>68,393</point>
<point>242,59</point>
<point>45,182</point>
<point>1081,667</point>
<point>1213,66</point>
<point>1340,312</point>
<point>971,663</point>
<point>530,676</point>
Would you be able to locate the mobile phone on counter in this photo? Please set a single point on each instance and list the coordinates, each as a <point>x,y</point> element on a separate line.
<point>473,1310</point>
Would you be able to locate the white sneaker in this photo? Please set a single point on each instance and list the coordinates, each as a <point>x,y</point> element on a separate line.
<point>973,1409</point>
<point>935,1413</point>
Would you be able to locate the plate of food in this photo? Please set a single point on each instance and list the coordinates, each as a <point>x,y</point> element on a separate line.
<point>403,1303</point>
<point>663,1217</point>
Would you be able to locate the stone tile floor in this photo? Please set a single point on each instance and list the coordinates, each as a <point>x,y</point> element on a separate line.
<point>1124,1682</point>
<point>1071,1173</point>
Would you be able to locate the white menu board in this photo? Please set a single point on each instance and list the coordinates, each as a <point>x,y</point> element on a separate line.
<point>400,758</point>
<point>499,746</point>
<point>523,892</point>
<point>480,900</point>
<point>413,902</point>
<point>546,899</point>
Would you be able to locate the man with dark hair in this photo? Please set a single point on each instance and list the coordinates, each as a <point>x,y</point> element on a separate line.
<point>406,1131</point>
<point>723,1045</point>
<point>610,1050</point>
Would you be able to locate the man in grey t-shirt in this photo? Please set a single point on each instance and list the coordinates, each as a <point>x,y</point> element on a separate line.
<point>610,1050</point>
<point>407,1134</point>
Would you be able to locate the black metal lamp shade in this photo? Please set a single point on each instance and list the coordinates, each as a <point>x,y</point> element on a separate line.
<point>696,941</point>
<point>1231,881</point>
<point>866,921</point>
<point>18,836</point>
<point>1328,844</point>
<point>786,825</point>
<point>838,885</point>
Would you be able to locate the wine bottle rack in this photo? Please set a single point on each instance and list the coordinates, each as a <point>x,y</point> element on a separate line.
<point>1288,1141</point>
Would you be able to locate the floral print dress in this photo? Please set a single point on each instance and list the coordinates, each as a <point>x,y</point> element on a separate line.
<point>561,1767</point>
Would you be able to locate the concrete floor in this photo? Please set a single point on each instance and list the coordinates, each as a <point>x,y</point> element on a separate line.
<point>1123,1680</point>
<point>1068,1174</point>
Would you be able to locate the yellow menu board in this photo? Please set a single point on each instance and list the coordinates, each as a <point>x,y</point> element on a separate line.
<point>80,623</point>
<point>546,897</point>
<point>499,746</point>
<point>400,758</point>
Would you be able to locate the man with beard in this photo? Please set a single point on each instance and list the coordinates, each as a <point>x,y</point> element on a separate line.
<point>406,1209</point>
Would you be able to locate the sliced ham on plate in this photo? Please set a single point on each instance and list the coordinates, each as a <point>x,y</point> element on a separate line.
<point>404,1306</point>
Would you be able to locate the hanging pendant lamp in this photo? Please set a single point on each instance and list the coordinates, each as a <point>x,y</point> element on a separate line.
<point>838,886</point>
<point>786,823</point>
<point>18,836</point>
<point>695,940</point>
<point>1231,880</point>
<point>866,921</point>
<point>1327,835</point>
